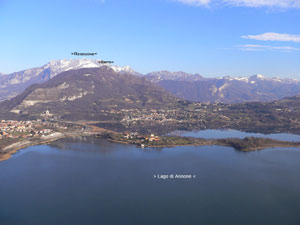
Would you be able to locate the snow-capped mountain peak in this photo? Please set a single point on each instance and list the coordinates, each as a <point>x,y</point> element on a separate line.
<point>17,82</point>
<point>167,75</point>
<point>124,69</point>
<point>259,77</point>
<point>58,66</point>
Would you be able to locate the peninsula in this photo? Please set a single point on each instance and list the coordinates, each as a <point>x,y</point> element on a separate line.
<point>16,135</point>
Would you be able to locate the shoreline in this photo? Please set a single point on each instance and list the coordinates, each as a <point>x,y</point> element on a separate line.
<point>11,149</point>
<point>211,142</point>
<point>15,147</point>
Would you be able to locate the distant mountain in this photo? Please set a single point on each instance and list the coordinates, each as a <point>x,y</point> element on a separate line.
<point>88,93</point>
<point>177,76</point>
<point>192,87</point>
<point>15,83</point>
<point>196,88</point>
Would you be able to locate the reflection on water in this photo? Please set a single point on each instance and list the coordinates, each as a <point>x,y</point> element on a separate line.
<point>235,134</point>
<point>91,181</point>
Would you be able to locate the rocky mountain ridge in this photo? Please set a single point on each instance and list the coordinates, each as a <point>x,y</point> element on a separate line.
<point>88,93</point>
<point>226,89</point>
<point>15,83</point>
<point>192,87</point>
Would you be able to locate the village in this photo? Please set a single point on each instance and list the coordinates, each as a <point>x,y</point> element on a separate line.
<point>140,140</point>
<point>13,132</point>
<point>162,121</point>
<point>24,129</point>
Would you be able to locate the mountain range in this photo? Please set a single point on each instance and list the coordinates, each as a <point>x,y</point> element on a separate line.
<point>15,83</point>
<point>88,93</point>
<point>195,87</point>
<point>116,98</point>
<point>192,87</point>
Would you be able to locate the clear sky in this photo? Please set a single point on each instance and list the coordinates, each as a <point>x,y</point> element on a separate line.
<point>210,37</point>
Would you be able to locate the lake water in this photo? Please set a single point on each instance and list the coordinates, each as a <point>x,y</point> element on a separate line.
<point>235,134</point>
<point>90,181</point>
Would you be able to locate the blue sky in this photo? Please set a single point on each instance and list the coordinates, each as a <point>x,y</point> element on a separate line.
<point>210,37</point>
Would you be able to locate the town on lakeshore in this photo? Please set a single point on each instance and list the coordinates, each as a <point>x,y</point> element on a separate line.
<point>119,105</point>
<point>16,135</point>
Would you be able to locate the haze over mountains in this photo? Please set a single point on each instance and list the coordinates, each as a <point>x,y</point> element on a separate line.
<point>193,87</point>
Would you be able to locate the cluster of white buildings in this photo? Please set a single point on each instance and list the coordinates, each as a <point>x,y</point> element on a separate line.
<point>23,129</point>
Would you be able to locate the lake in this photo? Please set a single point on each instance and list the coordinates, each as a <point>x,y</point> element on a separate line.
<point>228,133</point>
<point>91,181</point>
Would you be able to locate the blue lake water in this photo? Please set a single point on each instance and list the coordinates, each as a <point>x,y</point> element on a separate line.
<point>235,134</point>
<point>91,181</point>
